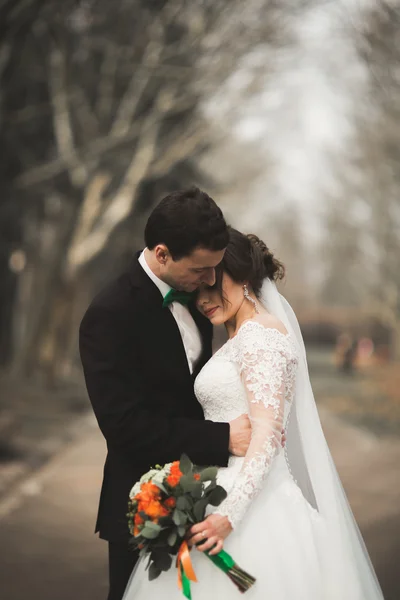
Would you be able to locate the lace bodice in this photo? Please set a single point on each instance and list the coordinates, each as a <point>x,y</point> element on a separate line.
<point>253,373</point>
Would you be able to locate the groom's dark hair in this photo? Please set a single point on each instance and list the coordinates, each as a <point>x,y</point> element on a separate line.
<point>185,220</point>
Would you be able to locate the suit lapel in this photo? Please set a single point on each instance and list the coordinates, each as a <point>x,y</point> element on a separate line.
<point>205,329</point>
<point>162,331</point>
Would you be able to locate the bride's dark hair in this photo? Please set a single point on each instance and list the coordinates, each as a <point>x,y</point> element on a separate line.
<point>248,259</point>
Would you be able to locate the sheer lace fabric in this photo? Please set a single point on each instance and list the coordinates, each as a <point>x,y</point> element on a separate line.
<point>266,361</point>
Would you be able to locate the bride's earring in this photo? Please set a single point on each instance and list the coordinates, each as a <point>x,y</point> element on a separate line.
<point>249,298</point>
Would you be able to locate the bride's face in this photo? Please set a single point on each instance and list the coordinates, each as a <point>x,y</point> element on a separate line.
<point>209,300</point>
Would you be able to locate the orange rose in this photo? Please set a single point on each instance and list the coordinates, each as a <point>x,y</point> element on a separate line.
<point>173,480</point>
<point>155,510</point>
<point>175,470</point>
<point>175,474</point>
<point>149,489</point>
<point>170,502</point>
<point>148,492</point>
<point>197,476</point>
<point>143,504</point>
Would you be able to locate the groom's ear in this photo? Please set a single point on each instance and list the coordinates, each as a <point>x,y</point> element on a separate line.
<point>161,253</point>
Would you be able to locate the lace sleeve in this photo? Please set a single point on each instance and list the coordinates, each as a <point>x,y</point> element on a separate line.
<point>262,362</point>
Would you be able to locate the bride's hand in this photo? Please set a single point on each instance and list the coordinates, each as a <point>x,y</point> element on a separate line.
<point>212,532</point>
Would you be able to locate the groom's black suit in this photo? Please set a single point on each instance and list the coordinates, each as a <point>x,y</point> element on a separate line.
<point>141,390</point>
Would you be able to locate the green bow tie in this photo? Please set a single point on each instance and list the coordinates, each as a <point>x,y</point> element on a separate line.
<point>177,296</point>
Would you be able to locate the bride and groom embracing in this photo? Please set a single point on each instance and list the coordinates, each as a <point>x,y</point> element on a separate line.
<point>157,392</point>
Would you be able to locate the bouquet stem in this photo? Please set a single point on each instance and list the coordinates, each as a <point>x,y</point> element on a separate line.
<point>240,578</point>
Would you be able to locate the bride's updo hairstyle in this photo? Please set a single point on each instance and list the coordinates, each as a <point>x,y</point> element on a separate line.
<point>248,259</point>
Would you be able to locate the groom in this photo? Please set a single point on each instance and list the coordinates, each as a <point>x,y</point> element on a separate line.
<point>142,344</point>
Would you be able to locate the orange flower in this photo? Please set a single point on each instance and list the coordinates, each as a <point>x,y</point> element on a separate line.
<point>197,476</point>
<point>173,480</point>
<point>175,468</point>
<point>155,510</point>
<point>170,502</point>
<point>138,519</point>
<point>147,491</point>
<point>175,474</point>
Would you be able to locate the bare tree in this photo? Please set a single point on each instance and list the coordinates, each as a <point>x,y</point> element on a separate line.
<point>378,41</point>
<point>101,98</point>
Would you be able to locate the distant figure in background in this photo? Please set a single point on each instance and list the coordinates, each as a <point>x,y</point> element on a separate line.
<point>349,358</point>
<point>346,353</point>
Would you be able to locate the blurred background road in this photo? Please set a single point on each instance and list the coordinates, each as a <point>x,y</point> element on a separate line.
<point>287,114</point>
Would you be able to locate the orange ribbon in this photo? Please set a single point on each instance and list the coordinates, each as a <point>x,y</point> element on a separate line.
<point>184,562</point>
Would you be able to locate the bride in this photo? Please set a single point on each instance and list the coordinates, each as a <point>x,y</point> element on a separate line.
<point>286,519</point>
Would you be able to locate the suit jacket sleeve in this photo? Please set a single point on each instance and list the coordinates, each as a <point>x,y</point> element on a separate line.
<point>120,404</point>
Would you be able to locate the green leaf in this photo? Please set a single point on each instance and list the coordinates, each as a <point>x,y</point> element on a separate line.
<point>179,517</point>
<point>217,496</point>
<point>184,503</point>
<point>161,487</point>
<point>150,531</point>
<point>197,491</point>
<point>199,509</point>
<point>163,561</point>
<point>208,474</point>
<point>181,531</point>
<point>154,572</point>
<point>211,485</point>
<point>152,525</point>
<point>187,483</point>
<point>185,464</point>
<point>172,538</point>
<point>149,534</point>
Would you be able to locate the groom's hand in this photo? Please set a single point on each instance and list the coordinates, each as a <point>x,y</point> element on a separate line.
<point>240,435</point>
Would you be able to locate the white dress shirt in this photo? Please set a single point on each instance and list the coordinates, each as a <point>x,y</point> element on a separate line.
<point>188,329</point>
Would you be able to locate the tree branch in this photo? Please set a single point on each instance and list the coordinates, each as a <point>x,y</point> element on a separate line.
<point>183,146</point>
<point>89,211</point>
<point>62,119</point>
<point>88,123</point>
<point>121,204</point>
<point>91,152</point>
<point>107,80</point>
<point>137,84</point>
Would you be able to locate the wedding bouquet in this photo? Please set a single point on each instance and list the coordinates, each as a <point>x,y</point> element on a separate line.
<point>163,506</point>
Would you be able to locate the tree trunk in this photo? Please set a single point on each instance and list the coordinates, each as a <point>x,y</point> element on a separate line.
<point>38,287</point>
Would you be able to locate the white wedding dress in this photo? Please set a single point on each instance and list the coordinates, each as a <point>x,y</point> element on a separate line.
<point>278,536</point>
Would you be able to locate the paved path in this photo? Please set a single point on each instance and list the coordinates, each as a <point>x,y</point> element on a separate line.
<point>48,550</point>
<point>369,469</point>
<point>47,546</point>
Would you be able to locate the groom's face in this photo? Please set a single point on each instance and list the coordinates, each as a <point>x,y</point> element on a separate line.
<point>190,272</point>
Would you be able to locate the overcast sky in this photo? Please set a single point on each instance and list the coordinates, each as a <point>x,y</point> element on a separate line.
<point>302,120</point>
